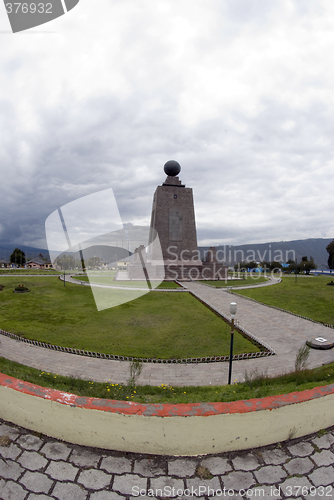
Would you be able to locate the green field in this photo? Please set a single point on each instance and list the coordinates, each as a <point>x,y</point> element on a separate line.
<point>255,387</point>
<point>158,324</point>
<point>28,271</point>
<point>309,296</point>
<point>68,316</point>
<point>169,284</point>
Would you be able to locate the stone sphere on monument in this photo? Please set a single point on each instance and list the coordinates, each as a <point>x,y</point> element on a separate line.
<point>172,168</point>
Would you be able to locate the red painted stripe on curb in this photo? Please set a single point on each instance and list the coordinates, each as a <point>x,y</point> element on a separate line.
<point>164,410</point>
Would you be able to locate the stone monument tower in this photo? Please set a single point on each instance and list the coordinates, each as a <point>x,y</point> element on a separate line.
<point>173,218</point>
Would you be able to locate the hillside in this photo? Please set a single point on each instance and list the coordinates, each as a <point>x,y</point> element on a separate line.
<point>281,251</point>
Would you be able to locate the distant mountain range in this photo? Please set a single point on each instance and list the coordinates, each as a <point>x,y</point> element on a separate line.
<point>108,254</point>
<point>281,251</point>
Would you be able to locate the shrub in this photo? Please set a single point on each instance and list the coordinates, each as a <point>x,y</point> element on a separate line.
<point>302,358</point>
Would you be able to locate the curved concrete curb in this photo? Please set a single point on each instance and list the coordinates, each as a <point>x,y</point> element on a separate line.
<point>165,429</point>
<point>69,279</point>
<point>227,288</point>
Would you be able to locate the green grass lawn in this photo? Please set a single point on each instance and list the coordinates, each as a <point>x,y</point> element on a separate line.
<point>309,296</point>
<point>254,388</point>
<point>104,279</point>
<point>162,325</point>
<point>29,271</point>
<point>249,280</point>
<point>67,316</point>
<point>108,280</point>
<point>169,284</point>
<point>81,277</point>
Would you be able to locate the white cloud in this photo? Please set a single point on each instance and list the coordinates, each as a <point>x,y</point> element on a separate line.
<point>239,92</point>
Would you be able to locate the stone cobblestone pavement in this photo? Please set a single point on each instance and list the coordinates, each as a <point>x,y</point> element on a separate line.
<point>36,467</point>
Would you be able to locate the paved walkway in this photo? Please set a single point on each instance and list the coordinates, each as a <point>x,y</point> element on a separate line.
<point>283,332</point>
<point>35,467</point>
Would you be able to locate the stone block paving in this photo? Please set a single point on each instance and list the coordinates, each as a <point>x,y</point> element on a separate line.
<point>36,467</point>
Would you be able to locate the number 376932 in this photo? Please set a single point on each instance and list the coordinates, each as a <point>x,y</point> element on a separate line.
<point>31,8</point>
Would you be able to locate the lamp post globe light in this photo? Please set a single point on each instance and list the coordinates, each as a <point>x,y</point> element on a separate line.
<point>233,311</point>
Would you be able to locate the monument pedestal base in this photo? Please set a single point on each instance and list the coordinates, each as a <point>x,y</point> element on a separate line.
<point>181,271</point>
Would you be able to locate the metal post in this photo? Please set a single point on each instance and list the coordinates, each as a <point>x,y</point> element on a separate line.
<point>231,352</point>
<point>64,263</point>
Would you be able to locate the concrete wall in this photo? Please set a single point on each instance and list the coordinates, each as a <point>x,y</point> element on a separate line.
<point>184,429</point>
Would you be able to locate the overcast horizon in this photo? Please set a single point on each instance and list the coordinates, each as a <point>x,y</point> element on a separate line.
<point>239,92</point>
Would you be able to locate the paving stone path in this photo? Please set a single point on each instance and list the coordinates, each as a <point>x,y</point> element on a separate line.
<point>35,467</point>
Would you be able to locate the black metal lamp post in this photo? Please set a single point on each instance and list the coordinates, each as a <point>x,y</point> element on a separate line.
<point>233,310</point>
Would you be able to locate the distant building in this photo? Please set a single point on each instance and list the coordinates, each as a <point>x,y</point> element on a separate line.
<point>38,263</point>
<point>121,264</point>
<point>5,263</point>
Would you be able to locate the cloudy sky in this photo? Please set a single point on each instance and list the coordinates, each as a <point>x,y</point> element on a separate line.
<point>239,92</point>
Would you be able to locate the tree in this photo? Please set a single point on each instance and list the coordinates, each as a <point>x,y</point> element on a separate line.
<point>243,266</point>
<point>304,266</point>
<point>18,257</point>
<point>275,265</point>
<point>251,265</point>
<point>240,266</point>
<point>293,266</point>
<point>307,265</point>
<point>330,250</point>
<point>65,261</point>
<point>94,262</point>
<point>270,266</point>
